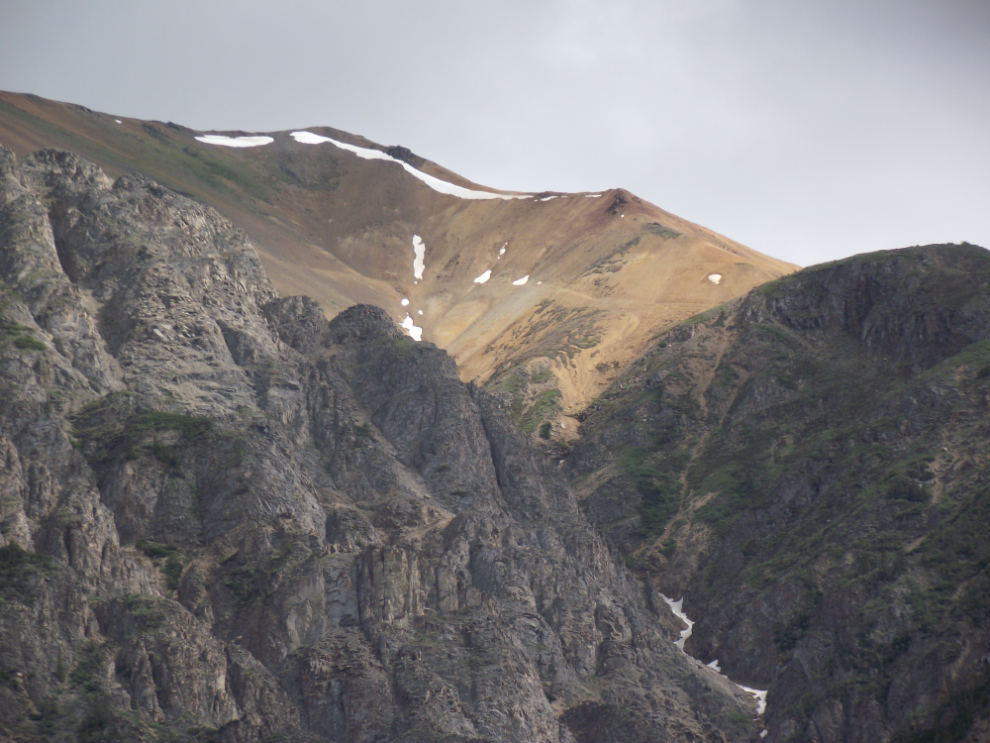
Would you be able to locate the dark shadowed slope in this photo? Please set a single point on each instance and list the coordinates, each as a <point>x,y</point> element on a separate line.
<point>808,467</point>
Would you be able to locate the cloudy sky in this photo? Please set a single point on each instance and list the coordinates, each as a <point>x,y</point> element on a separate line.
<point>807,129</point>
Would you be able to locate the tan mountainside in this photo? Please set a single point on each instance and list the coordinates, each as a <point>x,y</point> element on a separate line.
<point>606,272</point>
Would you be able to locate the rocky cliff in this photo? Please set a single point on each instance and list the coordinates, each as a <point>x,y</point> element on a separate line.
<point>808,466</point>
<point>223,518</point>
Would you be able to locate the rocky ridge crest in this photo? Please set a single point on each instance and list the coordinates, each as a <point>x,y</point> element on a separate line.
<point>223,518</point>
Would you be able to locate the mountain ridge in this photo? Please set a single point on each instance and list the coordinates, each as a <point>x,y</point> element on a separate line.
<point>225,518</point>
<point>612,269</point>
<point>202,474</point>
<point>807,467</point>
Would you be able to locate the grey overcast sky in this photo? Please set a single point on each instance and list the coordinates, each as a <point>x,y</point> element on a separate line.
<point>807,129</point>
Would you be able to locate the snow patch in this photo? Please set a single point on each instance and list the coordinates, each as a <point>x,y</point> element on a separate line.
<point>592,195</point>
<point>501,251</point>
<point>675,607</point>
<point>538,283</point>
<point>224,141</point>
<point>714,277</point>
<point>435,183</point>
<point>405,302</point>
<point>415,332</point>
<point>118,121</point>
<point>520,282</point>
<point>420,311</point>
<point>547,198</point>
<point>484,277</point>
<point>761,697</point>
<point>419,257</point>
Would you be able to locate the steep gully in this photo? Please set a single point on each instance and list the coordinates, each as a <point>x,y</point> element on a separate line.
<point>676,608</point>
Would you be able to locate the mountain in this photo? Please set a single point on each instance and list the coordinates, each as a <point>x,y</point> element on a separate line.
<point>807,466</point>
<point>604,272</point>
<point>229,513</point>
<point>224,518</point>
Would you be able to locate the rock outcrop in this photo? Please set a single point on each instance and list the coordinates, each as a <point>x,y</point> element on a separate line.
<point>807,466</point>
<point>223,518</point>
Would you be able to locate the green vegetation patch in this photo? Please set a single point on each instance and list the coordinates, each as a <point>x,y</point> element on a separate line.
<point>190,426</point>
<point>20,569</point>
<point>104,429</point>
<point>657,482</point>
<point>21,336</point>
<point>715,316</point>
<point>545,405</point>
<point>173,566</point>
<point>662,230</point>
<point>86,674</point>
<point>976,356</point>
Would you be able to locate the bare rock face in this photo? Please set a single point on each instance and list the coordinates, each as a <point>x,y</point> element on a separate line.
<point>223,518</point>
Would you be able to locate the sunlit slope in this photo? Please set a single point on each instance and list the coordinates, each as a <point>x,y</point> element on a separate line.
<point>603,272</point>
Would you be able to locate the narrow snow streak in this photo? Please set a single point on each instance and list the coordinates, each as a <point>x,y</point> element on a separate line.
<point>415,332</point>
<point>224,141</point>
<point>675,607</point>
<point>435,183</point>
<point>484,277</point>
<point>520,282</point>
<point>419,257</point>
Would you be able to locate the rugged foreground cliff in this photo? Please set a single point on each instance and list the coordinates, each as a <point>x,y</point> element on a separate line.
<point>810,467</point>
<point>224,519</point>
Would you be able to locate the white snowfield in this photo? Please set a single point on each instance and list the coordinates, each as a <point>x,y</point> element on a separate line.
<point>435,183</point>
<point>714,277</point>
<point>520,282</point>
<point>224,141</point>
<point>675,607</point>
<point>484,277</point>
<point>415,332</point>
<point>419,257</point>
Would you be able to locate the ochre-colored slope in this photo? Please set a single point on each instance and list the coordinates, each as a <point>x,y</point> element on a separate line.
<point>606,272</point>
